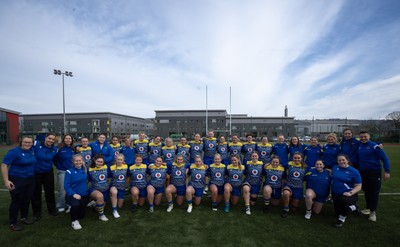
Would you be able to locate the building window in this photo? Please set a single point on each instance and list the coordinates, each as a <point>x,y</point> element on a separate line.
<point>73,129</point>
<point>213,120</point>
<point>95,122</point>
<point>45,123</point>
<point>163,121</point>
<point>72,123</point>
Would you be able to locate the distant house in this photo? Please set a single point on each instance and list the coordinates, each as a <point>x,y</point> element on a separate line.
<point>9,126</point>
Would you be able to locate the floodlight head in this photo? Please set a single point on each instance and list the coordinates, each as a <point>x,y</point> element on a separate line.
<point>70,74</point>
<point>66,73</point>
<point>55,72</point>
<point>59,72</point>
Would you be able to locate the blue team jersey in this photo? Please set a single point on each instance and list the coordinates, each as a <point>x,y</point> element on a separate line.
<point>183,150</point>
<point>158,174</point>
<point>235,148</point>
<point>370,156</point>
<point>119,175</point>
<point>312,154</point>
<point>295,175</point>
<point>350,148</point>
<point>178,174</point>
<point>197,176</point>
<point>319,182</point>
<point>265,151</point>
<point>248,148</point>
<point>210,147</point>
<point>297,148</point>
<point>138,175</point>
<point>253,172</point>
<point>129,154</point>
<point>274,175</point>
<point>98,177</point>
<point>87,155</point>
<point>196,148</point>
<point>104,149</point>
<point>155,151</point>
<point>329,155</point>
<point>168,153</point>
<point>217,174</point>
<point>234,175</point>
<point>44,157</point>
<point>344,179</point>
<point>63,158</point>
<point>21,163</point>
<point>142,148</point>
<point>222,149</point>
<point>281,150</point>
<point>116,148</point>
<point>75,182</point>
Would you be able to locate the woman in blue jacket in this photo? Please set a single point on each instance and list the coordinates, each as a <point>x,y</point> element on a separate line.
<point>63,161</point>
<point>44,176</point>
<point>75,185</point>
<point>18,170</point>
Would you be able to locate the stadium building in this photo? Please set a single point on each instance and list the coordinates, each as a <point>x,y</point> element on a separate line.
<point>9,126</point>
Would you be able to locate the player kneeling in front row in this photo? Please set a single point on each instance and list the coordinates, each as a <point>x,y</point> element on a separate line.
<point>197,173</point>
<point>273,183</point>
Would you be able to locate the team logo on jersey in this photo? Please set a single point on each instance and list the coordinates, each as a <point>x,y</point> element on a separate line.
<point>254,172</point>
<point>183,152</point>
<point>88,157</point>
<point>274,178</point>
<point>218,175</point>
<point>196,148</point>
<point>116,153</point>
<point>263,153</point>
<point>139,177</point>
<point>235,151</point>
<point>169,155</point>
<point>296,174</point>
<point>223,149</point>
<point>121,177</point>
<point>210,145</point>
<point>178,173</point>
<point>235,176</point>
<point>141,149</point>
<point>155,151</point>
<point>102,177</point>
<point>158,175</point>
<point>198,176</point>
<point>249,150</point>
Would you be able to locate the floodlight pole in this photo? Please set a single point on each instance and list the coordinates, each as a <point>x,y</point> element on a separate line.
<point>66,73</point>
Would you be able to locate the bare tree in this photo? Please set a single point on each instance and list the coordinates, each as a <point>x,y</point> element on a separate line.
<point>395,117</point>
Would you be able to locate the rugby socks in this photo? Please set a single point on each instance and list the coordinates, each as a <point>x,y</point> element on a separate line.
<point>286,208</point>
<point>171,203</point>
<point>342,218</point>
<point>214,204</point>
<point>267,201</point>
<point>115,208</point>
<point>100,209</point>
<point>353,208</point>
<point>189,202</point>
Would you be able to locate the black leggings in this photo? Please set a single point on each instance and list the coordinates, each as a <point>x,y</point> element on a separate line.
<point>342,203</point>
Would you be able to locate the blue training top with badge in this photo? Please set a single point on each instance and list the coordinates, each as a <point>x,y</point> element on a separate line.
<point>119,174</point>
<point>98,177</point>
<point>138,175</point>
<point>234,175</point>
<point>344,179</point>
<point>274,176</point>
<point>21,163</point>
<point>217,174</point>
<point>178,174</point>
<point>295,175</point>
<point>253,172</point>
<point>319,182</point>
<point>158,175</point>
<point>197,176</point>
<point>312,154</point>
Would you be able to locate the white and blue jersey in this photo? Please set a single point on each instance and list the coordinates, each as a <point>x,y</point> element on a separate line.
<point>197,176</point>
<point>138,175</point>
<point>158,174</point>
<point>295,175</point>
<point>264,152</point>
<point>234,175</point>
<point>155,151</point>
<point>274,176</point>
<point>119,175</point>
<point>178,174</point>
<point>217,174</point>
<point>253,172</point>
<point>98,178</point>
<point>183,150</point>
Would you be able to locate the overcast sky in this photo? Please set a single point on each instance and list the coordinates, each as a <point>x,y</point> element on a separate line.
<point>327,59</point>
